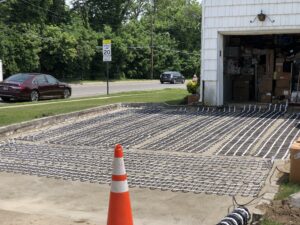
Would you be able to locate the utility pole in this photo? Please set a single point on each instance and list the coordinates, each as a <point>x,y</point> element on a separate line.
<point>1,71</point>
<point>152,34</point>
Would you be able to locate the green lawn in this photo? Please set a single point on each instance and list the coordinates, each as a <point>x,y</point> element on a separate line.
<point>19,112</point>
<point>269,222</point>
<point>287,189</point>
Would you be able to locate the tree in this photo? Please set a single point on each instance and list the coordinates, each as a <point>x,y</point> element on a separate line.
<point>181,20</point>
<point>137,9</point>
<point>87,41</point>
<point>103,12</point>
<point>34,12</point>
<point>27,11</point>
<point>67,51</point>
<point>58,13</point>
<point>20,47</point>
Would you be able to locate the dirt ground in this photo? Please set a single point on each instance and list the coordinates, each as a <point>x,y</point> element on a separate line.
<point>31,200</point>
<point>282,212</point>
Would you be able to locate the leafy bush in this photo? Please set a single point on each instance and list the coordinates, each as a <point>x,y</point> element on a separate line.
<point>192,87</point>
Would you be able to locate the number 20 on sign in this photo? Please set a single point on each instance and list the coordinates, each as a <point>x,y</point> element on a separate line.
<point>106,50</point>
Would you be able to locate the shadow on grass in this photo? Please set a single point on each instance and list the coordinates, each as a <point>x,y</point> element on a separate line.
<point>44,115</point>
<point>177,102</point>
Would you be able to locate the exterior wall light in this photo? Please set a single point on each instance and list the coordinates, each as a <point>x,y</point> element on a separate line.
<point>262,17</point>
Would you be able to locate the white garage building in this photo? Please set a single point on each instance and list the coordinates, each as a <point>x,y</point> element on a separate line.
<point>249,50</point>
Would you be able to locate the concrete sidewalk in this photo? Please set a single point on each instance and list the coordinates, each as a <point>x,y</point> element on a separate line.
<point>31,200</point>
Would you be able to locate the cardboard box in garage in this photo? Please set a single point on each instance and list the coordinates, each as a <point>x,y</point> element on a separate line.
<point>266,76</point>
<point>282,92</point>
<point>265,97</point>
<point>282,76</point>
<point>265,85</point>
<point>285,84</point>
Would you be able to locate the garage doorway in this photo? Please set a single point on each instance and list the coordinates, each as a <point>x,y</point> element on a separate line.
<point>261,68</point>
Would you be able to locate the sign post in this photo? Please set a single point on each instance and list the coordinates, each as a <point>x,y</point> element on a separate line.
<point>106,49</point>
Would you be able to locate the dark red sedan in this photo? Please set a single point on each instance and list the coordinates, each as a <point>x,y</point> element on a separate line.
<point>33,86</point>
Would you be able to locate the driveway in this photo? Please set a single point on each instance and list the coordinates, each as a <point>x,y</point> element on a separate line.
<point>175,176</point>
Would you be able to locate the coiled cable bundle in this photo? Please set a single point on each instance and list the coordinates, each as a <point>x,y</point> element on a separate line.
<point>240,216</point>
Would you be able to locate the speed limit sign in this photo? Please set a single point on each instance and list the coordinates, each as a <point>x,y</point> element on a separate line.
<point>106,50</point>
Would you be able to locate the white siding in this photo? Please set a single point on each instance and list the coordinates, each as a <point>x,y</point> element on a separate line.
<point>233,17</point>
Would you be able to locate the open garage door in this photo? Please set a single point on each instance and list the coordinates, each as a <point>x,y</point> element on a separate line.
<point>261,68</point>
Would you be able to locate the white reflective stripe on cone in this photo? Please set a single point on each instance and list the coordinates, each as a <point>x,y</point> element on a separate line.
<point>119,186</point>
<point>118,167</point>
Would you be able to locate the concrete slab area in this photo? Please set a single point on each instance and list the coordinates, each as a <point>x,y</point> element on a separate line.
<point>41,201</point>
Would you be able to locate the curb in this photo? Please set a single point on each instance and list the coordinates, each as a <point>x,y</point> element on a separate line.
<point>38,123</point>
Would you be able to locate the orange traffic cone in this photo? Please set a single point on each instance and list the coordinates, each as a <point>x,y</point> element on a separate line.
<point>119,211</point>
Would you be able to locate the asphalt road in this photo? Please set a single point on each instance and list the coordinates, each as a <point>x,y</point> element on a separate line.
<point>90,89</point>
<point>94,89</point>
